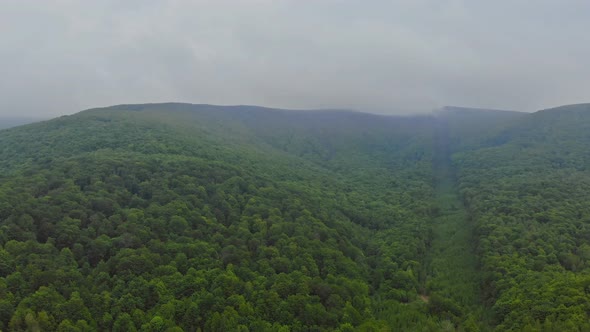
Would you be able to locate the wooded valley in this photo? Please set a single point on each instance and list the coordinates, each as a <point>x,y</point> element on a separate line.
<point>180,217</point>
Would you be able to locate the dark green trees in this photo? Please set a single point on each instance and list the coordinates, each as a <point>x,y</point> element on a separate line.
<point>171,217</point>
<point>194,219</point>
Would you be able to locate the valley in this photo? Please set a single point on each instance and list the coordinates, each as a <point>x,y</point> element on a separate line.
<point>170,217</point>
<point>451,276</point>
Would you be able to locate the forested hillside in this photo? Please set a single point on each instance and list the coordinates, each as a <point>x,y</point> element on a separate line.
<point>13,122</point>
<point>165,217</point>
<point>173,216</point>
<point>527,190</point>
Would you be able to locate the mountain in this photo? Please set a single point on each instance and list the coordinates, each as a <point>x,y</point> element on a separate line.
<point>7,122</point>
<point>527,190</point>
<point>224,218</point>
<point>468,126</point>
<point>217,218</point>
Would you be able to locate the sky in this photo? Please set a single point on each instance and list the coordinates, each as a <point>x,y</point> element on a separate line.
<point>392,57</point>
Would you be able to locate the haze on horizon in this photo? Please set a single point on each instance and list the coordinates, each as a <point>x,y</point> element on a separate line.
<point>388,57</point>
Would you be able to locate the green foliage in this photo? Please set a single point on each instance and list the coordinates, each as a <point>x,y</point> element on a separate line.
<point>171,217</point>
<point>527,191</point>
<point>179,217</point>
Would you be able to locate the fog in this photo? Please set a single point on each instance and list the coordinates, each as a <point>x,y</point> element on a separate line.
<point>388,57</point>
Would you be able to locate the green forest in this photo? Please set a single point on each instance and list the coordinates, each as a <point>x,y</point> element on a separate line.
<point>181,217</point>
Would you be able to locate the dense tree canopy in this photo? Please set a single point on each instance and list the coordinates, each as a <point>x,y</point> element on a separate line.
<point>171,217</point>
<point>527,189</point>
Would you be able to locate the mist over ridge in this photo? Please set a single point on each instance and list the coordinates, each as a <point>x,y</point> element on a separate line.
<point>382,57</point>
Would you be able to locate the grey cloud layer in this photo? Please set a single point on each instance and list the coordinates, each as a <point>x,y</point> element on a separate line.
<point>380,56</point>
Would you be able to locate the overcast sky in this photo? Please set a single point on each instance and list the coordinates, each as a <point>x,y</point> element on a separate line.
<point>59,57</point>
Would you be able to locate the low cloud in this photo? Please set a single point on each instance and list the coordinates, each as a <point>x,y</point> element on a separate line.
<point>378,56</point>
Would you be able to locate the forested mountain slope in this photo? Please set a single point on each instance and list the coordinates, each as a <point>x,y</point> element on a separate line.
<point>173,216</point>
<point>6,122</point>
<point>469,128</point>
<point>200,217</point>
<point>527,190</point>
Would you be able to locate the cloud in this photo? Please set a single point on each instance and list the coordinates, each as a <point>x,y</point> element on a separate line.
<point>380,56</point>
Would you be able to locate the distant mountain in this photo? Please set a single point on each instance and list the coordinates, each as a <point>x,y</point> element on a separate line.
<point>573,108</point>
<point>558,128</point>
<point>7,122</point>
<point>476,118</point>
<point>468,126</point>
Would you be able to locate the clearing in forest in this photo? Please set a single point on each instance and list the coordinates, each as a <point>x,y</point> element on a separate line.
<point>450,273</point>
